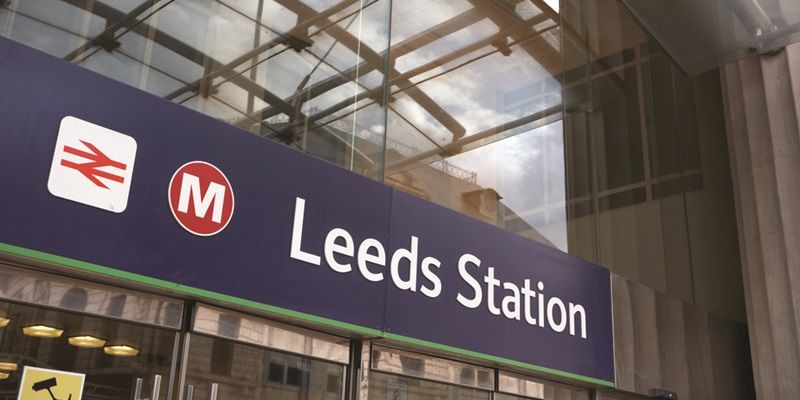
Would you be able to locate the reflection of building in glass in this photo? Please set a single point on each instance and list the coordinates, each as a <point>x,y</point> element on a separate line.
<point>246,372</point>
<point>74,295</point>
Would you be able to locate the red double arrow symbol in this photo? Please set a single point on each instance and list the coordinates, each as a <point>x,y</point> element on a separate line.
<point>97,160</point>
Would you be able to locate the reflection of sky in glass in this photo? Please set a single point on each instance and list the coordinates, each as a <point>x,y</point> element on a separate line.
<point>125,6</point>
<point>159,57</point>
<point>214,108</point>
<point>528,172</point>
<point>402,140</point>
<point>340,57</point>
<point>554,4</point>
<point>482,95</point>
<point>475,94</point>
<point>330,98</point>
<point>371,27</point>
<point>63,16</point>
<point>447,44</point>
<point>221,30</point>
<point>132,72</point>
<point>410,17</point>
<point>478,93</point>
<point>247,7</point>
<point>214,29</point>
<point>414,113</point>
<point>477,90</point>
<point>236,97</point>
<point>40,36</point>
<point>321,5</point>
<point>278,17</point>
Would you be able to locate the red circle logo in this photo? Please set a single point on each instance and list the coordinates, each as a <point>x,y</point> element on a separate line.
<point>201,198</point>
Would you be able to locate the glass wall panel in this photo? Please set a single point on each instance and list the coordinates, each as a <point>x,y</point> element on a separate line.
<point>566,123</point>
<point>579,150</point>
<point>493,183</point>
<point>710,212</point>
<point>252,330</point>
<point>529,388</point>
<point>142,351</point>
<point>474,112</point>
<point>431,368</point>
<point>650,131</point>
<point>392,387</point>
<point>48,290</point>
<point>238,371</point>
<point>308,74</point>
<point>619,98</point>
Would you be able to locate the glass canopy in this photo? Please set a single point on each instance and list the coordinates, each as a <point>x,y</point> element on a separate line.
<point>706,34</point>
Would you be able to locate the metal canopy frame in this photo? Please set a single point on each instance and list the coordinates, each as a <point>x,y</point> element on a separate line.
<point>513,32</point>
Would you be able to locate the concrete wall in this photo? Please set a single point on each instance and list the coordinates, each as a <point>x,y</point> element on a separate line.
<point>662,342</point>
<point>762,110</point>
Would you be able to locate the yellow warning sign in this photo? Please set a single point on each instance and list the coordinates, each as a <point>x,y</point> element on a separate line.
<point>50,384</point>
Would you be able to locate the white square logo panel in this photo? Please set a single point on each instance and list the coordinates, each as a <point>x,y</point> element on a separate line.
<point>92,165</point>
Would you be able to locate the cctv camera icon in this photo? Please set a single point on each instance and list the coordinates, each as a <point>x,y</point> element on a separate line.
<point>47,384</point>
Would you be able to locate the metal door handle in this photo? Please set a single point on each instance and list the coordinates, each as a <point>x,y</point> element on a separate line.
<point>214,390</point>
<point>137,391</point>
<point>156,387</point>
<point>189,392</point>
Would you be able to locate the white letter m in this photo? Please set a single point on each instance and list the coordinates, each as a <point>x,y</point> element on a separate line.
<point>190,185</point>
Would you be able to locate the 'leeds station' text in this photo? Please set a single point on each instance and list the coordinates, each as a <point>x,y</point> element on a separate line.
<point>517,304</point>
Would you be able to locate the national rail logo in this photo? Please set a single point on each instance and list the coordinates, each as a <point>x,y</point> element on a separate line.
<point>92,165</point>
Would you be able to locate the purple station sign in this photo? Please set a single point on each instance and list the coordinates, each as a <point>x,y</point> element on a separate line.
<point>104,177</point>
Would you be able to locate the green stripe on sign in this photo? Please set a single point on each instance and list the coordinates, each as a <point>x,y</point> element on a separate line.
<point>207,294</point>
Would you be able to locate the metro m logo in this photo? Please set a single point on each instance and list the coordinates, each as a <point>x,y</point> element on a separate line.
<point>190,188</point>
<point>201,198</point>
